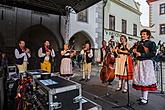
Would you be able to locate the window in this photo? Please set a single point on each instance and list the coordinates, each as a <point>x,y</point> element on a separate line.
<point>134,29</point>
<point>124,26</point>
<point>162,8</point>
<point>112,22</point>
<point>83,16</point>
<point>162,28</point>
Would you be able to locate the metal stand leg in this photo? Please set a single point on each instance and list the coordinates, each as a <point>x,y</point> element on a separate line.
<point>161,76</point>
<point>128,105</point>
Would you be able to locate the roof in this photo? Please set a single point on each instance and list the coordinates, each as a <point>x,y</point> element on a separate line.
<point>131,3</point>
<point>51,6</point>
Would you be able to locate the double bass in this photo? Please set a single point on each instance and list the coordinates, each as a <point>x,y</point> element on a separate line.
<point>107,73</point>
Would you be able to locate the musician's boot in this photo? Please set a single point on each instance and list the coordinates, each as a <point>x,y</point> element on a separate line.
<point>119,85</point>
<point>83,79</point>
<point>125,87</point>
<point>88,78</point>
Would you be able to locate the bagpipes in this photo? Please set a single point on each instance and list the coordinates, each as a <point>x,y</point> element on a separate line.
<point>138,47</point>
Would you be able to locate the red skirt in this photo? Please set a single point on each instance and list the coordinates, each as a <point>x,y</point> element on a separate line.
<point>152,87</point>
<point>129,68</point>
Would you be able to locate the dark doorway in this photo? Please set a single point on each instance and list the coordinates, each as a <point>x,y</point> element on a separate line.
<point>34,37</point>
<point>79,39</point>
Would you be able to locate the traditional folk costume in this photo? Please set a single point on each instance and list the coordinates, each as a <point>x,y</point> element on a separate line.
<point>21,59</point>
<point>102,53</point>
<point>46,60</point>
<point>88,55</point>
<point>144,77</point>
<point>66,63</point>
<point>121,68</point>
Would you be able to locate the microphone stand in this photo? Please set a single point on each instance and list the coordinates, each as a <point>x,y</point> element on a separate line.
<point>128,105</point>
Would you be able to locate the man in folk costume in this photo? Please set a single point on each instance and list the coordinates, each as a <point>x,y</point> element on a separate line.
<point>144,77</point>
<point>103,54</point>
<point>122,58</point>
<point>46,54</point>
<point>88,55</point>
<point>103,51</point>
<point>22,54</point>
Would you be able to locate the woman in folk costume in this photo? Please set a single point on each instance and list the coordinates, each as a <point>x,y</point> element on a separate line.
<point>144,77</point>
<point>66,62</point>
<point>123,57</point>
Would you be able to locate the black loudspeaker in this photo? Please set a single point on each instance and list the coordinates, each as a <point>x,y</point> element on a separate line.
<point>2,72</point>
<point>1,94</point>
<point>45,76</point>
<point>1,88</point>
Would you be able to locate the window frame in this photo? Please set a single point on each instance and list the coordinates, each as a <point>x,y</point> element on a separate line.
<point>134,29</point>
<point>124,27</point>
<point>112,23</point>
<point>162,6</point>
<point>81,15</point>
<point>161,32</point>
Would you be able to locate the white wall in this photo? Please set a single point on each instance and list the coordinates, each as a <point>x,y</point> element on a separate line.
<point>87,27</point>
<point>157,19</point>
<point>120,13</point>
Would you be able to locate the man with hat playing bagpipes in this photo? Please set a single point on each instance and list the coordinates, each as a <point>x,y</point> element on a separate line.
<point>46,53</point>
<point>144,77</point>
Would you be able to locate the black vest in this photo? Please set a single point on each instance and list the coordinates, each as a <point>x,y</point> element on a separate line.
<point>106,51</point>
<point>66,56</point>
<point>44,51</point>
<point>19,61</point>
<point>101,51</point>
<point>88,60</point>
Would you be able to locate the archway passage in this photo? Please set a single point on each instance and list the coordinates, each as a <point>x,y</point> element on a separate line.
<point>35,37</point>
<point>79,40</point>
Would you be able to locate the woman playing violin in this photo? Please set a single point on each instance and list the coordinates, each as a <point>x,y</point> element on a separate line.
<point>66,62</point>
<point>122,52</point>
<point>144,77</point>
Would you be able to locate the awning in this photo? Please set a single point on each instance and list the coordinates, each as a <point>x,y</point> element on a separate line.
<point>51,6</point>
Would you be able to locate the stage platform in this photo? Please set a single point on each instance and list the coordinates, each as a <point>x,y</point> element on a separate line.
<point>94,89</point>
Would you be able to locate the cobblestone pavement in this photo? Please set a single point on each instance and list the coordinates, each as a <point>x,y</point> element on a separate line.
<point>96,91</point>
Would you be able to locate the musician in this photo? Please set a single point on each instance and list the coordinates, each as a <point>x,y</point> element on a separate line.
<point>88,55</point>
<point>123,57</point>
<point>66,62</point>
<point>144,77</point>
<point>22,55</point>
<point>103,51</point>
<point>111,42</point>
<point>46,54</point>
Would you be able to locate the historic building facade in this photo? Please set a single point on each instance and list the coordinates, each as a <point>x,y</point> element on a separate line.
<point>157,19</point>
<point>122,17</point>
<point>36,27</point>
